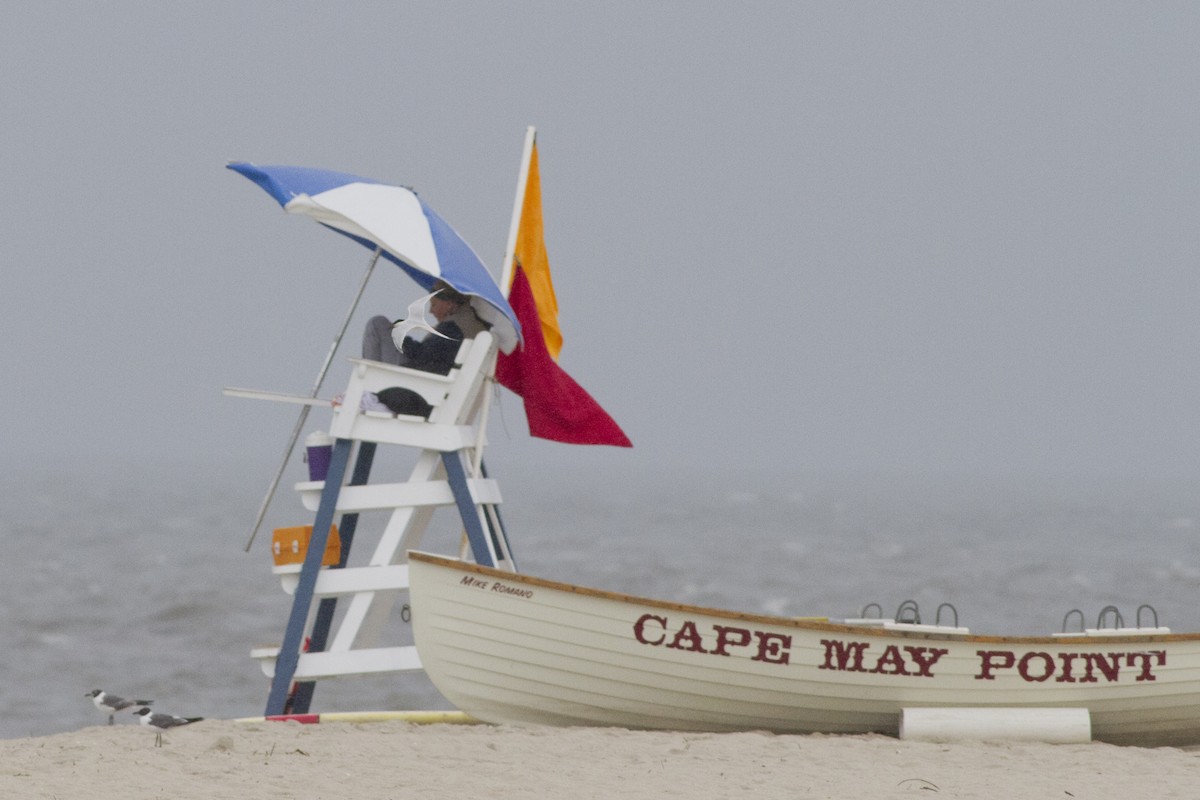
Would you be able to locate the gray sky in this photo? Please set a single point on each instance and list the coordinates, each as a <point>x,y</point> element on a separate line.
<point>913,237</point>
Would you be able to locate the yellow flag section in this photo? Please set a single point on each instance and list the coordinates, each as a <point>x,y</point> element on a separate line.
<point>528,249</point>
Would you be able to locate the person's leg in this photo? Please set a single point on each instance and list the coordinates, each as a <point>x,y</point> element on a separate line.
<point>377,341</point>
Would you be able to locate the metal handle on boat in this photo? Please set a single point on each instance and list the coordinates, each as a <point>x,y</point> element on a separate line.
<point>911,607</point>
<point>1067,616</point>
<point>1153,613</point>
<point>1118,620</point>
<point>953,610</point>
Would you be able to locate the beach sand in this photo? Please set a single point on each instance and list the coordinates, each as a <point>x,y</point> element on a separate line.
<point>226,759</point>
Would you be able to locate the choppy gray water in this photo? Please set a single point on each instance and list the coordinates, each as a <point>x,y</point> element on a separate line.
<point>141,587</point>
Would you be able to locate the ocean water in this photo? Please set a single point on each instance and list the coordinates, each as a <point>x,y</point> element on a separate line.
<point>138,583</point>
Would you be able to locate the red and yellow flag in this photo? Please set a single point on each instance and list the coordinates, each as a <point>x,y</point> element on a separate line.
<point>529,253</point>
<point>556,407</point>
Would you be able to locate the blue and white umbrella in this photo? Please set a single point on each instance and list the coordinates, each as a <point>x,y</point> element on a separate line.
<point>395,220</point>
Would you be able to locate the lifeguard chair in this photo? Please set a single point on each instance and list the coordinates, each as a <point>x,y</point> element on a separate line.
<point>448,472</point>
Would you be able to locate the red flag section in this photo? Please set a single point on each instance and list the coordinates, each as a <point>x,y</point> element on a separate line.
<point>557,407</point>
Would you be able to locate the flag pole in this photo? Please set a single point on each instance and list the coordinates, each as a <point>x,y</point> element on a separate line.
<point>303,417</point>
<point>509,269</point>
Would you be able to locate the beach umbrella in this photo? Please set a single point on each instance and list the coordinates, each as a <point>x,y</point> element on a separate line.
<point>395,221</point>
<point>396,225</point>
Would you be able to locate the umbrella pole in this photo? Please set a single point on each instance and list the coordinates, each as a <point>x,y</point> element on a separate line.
<point>287,453</point>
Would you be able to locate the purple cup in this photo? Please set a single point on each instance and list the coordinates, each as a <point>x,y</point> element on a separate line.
<point>317,452</point>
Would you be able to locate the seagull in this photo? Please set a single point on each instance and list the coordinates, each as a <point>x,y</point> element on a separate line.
<point>416,320</point>
<point>150,719</point>
<point>112,704</point>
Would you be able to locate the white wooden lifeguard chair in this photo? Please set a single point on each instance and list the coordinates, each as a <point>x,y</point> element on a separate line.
<point>448,472</point>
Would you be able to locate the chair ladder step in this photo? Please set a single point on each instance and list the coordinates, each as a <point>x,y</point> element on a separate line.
<point>370,661</point>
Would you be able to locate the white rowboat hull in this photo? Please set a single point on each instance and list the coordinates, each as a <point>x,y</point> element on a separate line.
<point>510,648</point>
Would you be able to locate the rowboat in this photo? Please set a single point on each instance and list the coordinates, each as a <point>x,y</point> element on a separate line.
<point>518,649</point>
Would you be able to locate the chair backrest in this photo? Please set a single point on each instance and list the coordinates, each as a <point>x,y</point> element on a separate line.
<point>471,367</point>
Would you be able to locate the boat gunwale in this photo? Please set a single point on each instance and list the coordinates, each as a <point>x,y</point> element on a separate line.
<point>802,623</point>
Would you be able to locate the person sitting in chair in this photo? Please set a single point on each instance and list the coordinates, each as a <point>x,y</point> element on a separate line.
<point>456,321</point>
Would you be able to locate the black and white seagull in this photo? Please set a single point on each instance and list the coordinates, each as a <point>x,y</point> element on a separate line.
<point>112,704</point>
<point>161,722</point>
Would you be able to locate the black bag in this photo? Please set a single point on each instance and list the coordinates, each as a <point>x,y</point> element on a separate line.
<point>404,401</point>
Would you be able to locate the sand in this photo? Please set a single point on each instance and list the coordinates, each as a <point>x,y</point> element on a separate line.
<point>226,759</point>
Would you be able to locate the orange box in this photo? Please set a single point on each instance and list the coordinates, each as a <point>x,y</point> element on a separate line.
<point>290,545</point>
